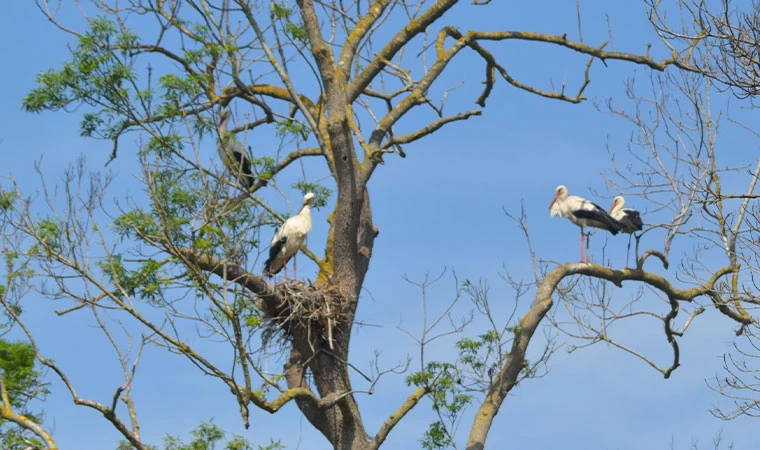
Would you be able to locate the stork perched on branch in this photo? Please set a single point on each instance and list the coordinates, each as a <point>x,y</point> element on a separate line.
<point>582,213</point>
<point>289,239</point>
<point>233,153</point>
<point>628,219</point>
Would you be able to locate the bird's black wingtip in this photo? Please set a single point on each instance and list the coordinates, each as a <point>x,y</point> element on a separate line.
<point>268,272</point>
<point>267,269</point>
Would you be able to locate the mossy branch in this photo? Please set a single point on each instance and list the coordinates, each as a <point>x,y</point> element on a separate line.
<point>516,362</point>
<point>396,417</point>
<point>7,413</point>
<point>296,393</point>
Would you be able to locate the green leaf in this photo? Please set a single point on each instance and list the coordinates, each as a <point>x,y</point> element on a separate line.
<point>296,31</point>
<point>280,11</point>
<point>321,193</point>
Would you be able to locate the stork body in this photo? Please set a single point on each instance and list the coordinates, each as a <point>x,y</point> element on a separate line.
<point>582,213</point>
<point>289,239</point>
<point>628,219</point>
<point>233,153</point>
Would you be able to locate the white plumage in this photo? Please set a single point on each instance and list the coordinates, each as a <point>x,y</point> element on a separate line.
<point>582,213</point>
<point>289,238</point>
<point>233,153</point>
<point>628,219</point>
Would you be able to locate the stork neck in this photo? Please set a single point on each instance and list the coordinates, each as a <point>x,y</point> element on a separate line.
<point>305,210</point>
<point>222,127</point>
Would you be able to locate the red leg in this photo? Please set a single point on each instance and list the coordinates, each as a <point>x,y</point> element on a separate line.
<point>583,240</point>
<point>295,274</point>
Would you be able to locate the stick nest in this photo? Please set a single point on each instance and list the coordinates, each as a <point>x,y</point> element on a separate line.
<point>311,309</point>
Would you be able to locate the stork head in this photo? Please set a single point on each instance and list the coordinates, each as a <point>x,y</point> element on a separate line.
<point>559,193</point>
<point>617,202</point>
<point>308,199</point>
<point>224,116</point>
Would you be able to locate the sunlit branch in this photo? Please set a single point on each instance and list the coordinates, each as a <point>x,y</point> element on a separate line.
<point>428,129</point>
<point>394,418</point>
<point>394,45</point>
<point>360,30</point>
<point>7,413</point>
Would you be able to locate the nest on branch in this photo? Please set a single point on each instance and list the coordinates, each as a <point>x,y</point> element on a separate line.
<point>311,309</point>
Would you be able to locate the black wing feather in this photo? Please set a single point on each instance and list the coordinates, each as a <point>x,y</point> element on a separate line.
<point>632,220</point>
<point>273,251</point>
<point>244,164</point>
<point>600,216</point>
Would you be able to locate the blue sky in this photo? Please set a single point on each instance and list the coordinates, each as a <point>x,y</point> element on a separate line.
<point>440,208</point>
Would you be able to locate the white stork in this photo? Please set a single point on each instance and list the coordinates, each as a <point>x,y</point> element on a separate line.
<point>628,219</point>
<point>289,239</point>
<point>582,213</point>
<point>233,153</point>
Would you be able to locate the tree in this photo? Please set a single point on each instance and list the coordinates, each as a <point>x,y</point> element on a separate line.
<point>728,57</point>
<point>334,83</point>
<point>20,383</point>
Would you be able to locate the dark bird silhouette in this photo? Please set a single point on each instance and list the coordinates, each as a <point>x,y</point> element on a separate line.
<point>233,153</point>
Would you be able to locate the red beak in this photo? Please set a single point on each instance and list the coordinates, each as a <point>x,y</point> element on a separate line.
<point>553,200</point>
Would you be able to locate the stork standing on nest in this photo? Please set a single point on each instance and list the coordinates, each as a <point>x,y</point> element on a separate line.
<point>289,239</point>
<point>582,213</point>
<point>233,153</point>
<point>628,219</point>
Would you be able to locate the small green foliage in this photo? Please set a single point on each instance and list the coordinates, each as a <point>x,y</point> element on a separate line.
<point>49,234</point>
<point>127,40</point>
<point>18,371</point>
<point>449,400</point>
<point>48,230</point>
<point>176,88</point>
<point>296,31</point>
<point>321,193</point>
<point>239,443</point>
<point>207,433</point>
<point>163,146</point>
<point>99,73</point>
<point>202,124</point>
<point>90,124</point>
<point>145,280</point>
<point>230,47</point>
<point>23,382</point>
<point>201,244</point>
<point>291,127</point>
<point>207,237</point>
<point>435,437</point>
<point>280,11</point>
<point>252,321</point>
<point>273,445</point>
<point>207,436</point>
<point>193,56</point>
<point>182,198</point>
<point>263,167</point>
<point>126,445</point>
<point>16,439</point>
<point>200,29</point>
<point>6,200</point>
<point>135,222</point>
